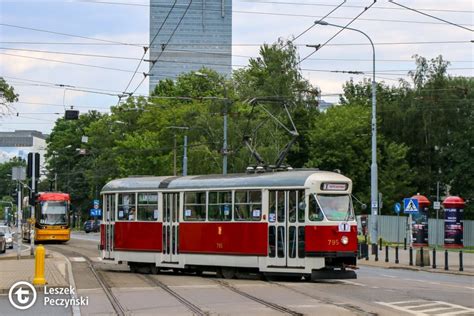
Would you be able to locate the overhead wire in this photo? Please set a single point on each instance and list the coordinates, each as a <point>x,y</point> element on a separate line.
<point>66,34</point>
<point>147,48</point>
<point>338,32</point>
<point>165,45</point>
<point>210,53</point>
<point>262,12</point>
<point>431,16</point>
<point>314,24</point>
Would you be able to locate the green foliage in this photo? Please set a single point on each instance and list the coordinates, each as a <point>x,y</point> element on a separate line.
<point>7,95</point>
<point>340,139</point>
<point>434,119</point>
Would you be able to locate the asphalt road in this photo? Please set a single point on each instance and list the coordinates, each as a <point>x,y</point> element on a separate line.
<point>376,291</point>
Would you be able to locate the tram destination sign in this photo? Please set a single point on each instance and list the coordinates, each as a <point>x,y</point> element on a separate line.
<point>334,186</point>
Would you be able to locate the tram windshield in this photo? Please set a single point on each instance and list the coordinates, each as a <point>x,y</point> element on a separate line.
<point>53,213</point>
<point>336,207</point>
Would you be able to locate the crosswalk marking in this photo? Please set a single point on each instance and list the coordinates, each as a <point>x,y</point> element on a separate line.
<point>77,259</point>
<point>422,307</point>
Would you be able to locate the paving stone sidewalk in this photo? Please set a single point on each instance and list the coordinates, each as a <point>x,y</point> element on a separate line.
<point>13,270</point>
<point>404,260</point>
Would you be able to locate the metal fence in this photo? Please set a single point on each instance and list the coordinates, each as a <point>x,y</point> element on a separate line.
<point>387,228</point>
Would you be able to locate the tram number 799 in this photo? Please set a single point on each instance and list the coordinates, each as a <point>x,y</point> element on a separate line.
<point>333,242</point>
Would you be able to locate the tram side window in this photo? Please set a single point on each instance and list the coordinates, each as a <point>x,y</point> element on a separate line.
<point>195,206</point>
<point>147,206</point>
<point>315,213</point>
<point>126,207</point>
<point>110,207</point>
<point>219,206</point>
<point>248,205</point>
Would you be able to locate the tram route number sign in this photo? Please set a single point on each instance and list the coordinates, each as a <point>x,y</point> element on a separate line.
<point>344,227</point>
<point>96,212</point>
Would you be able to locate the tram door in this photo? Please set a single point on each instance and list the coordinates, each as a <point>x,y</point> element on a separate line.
<point>170,227</point>
<point>109,217</point>
<point>286,228</point>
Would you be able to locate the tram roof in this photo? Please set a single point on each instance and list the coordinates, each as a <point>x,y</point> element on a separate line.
<point>295,178</point>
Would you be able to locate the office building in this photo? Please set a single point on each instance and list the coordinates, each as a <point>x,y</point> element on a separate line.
<point>202,38</point>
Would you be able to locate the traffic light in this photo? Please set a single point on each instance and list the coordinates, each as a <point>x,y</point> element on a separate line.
<point>71,115</point>
<point>33,160</point>
<point>32,198</point>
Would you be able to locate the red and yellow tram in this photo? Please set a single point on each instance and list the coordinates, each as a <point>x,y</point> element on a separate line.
<point>50,220</point>
<point>297,222</point>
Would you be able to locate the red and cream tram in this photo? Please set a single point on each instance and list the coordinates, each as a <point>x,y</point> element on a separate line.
<point>297,222</point>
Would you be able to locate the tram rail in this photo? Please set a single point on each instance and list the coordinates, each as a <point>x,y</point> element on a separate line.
<point>276,307</point>
<point>114,301</point>
<point>196,310</point>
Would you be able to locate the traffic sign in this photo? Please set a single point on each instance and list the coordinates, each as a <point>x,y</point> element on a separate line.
<point>96,212</point>
<point>436,205</point>
<point>397,208</point>
<point>410,206</point>
<point>96,204</point>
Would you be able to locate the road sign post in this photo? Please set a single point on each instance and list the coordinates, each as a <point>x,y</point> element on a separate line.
<point>397,208</point>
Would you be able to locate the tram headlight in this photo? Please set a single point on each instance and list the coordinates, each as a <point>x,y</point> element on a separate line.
<point>344,240</point>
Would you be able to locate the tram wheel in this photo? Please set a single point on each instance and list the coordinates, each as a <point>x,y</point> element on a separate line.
<point>133,268</point>
<point>154,269</point>
<point>228,273</point>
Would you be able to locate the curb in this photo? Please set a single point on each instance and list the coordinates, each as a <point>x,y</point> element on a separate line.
<point>451,272</point>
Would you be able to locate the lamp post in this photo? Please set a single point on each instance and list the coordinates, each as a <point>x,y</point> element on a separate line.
<point>185,152</point>
<point>373,167</point>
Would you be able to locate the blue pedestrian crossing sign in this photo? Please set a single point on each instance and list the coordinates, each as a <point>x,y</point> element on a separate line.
<point>410,206</point>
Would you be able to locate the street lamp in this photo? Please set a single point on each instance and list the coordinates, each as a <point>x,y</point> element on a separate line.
<point>373,167</point>
<point>185,147</point>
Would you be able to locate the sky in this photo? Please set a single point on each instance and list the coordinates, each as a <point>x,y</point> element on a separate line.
<point>398,35</point>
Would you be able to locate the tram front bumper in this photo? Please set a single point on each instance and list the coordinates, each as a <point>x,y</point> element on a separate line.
<point>52,234</point>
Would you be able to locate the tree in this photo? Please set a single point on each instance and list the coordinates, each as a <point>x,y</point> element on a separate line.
<point>433,117</point>
<point>7,95</point>
<point>340,139</point>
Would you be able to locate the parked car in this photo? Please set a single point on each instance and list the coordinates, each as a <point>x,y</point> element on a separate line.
<point>3,243</point>
<point>7,231</point>
<point>92,226</point>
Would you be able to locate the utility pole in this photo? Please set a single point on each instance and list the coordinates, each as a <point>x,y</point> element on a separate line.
<point>174,155</point>
<point>18,218</point>
<point>185,156</point>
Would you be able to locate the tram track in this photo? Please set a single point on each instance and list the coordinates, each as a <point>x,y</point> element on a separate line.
<point>114,301</point>
<point>355,309</point>
<point>276,307</point>
<point>196,310</point>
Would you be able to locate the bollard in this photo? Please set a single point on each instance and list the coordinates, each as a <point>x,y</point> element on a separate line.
<point>376,253</point>
<point>405,243</point>
<point>461,268</point>
<point>39,266</point>
<point>422,261</point>
<point>434,258</point>
<point>411,256</point>
<point>380,243</point>
<point>446,260</point>
<point>396,255</point>
<point>386,253</point>
<point>367,253</point>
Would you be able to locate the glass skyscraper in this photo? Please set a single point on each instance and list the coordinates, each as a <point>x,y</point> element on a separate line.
<point>189,40</point>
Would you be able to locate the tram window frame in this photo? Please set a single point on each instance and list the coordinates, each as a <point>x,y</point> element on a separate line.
<point>195,215</point>
<point>320,215</point>
<point>147,206</point>
<point>252,204</point>
<point>218,205</point>
<point>126,209</point>
<point>109,214</point>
